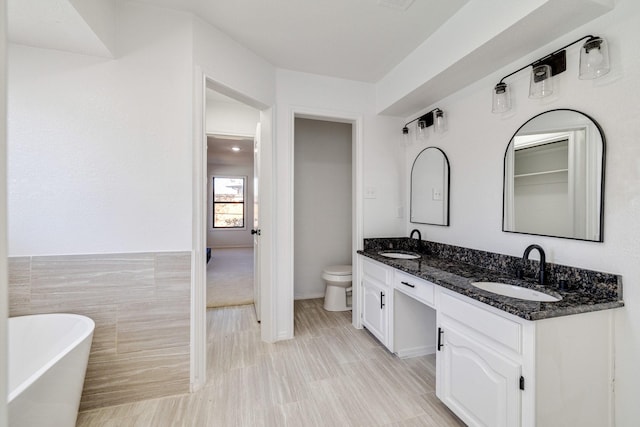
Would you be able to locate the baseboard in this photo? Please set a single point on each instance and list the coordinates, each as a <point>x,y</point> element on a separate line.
<point>231,247</point>
<point>314,295</point>
<point>416,351</point>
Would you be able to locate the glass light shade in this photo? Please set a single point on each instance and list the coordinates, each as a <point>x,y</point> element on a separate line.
<point>421,130</point>
<point>501,98</point>
<point>541,82</point>
<point>440,122</point>
<point>594,58</point>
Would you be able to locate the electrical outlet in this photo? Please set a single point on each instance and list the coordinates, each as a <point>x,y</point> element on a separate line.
<point>436,194</point>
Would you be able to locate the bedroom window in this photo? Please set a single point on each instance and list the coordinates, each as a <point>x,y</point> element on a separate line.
<point>228,201</point>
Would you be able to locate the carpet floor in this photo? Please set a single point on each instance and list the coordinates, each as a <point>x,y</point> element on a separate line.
<point>230,277</point>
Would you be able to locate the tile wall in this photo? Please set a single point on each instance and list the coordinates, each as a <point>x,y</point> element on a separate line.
<point>140,304</point>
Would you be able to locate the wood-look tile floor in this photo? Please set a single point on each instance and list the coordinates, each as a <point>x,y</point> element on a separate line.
<point>331,374</point>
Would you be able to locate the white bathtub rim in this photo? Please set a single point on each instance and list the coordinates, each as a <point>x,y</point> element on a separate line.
<point>66,350</point>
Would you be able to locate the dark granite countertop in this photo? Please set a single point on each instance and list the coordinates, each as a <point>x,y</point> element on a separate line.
<point>457,276</point>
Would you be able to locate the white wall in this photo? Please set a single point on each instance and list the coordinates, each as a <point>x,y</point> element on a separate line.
<point>475,144</point>
<point>235,238</point>
<point>322,199</point>
<point>99,150</point>
<point>232,66</point>
<point>226,118</point>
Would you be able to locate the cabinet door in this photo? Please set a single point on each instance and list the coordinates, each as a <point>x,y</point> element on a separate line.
<point>374,313</point>
<point>479,385</point>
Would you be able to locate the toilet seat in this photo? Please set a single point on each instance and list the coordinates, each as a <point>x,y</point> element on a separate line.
<point>338,270</point>
<point>337,273</point>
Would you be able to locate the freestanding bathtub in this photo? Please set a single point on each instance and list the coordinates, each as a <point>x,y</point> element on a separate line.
<point>48,356</point>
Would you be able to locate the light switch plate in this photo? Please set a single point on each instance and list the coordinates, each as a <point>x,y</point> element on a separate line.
<point>370,193</point>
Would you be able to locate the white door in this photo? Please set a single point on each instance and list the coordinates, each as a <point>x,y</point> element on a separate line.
<point>479,385</point>
<point>256,221</point>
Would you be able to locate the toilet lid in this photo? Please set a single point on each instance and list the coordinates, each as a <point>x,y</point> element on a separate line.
<point>338,270</point>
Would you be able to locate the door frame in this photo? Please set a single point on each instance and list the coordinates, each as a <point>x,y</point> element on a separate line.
<point>357,216</point>
<point>198,317</point>
<point>198,312</point>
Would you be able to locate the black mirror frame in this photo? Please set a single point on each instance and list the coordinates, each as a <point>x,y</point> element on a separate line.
<point>447,222</point>
<point>602,180</point>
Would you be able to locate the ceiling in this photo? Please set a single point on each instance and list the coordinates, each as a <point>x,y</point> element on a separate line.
<point>351,39</point>
<point>219,151</point>
<point>53,24</point>
<point>219,147</point>
<point>416,51</point>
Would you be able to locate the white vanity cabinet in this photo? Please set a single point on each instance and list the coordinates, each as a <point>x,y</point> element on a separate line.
<point>495,369</point>
<point>479,363</point>
<point>377,300</point>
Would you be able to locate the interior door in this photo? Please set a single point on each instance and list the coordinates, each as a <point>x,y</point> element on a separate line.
<point>256,222</point>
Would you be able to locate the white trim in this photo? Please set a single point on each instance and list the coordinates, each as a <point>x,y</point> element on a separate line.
<point>198,339</point>
<point>356,120</point>
<point>508,215</point>
<point>310,295</point>
<point>358,221</point>
<point>198,354</point>
<point>422,350</point>
<point>4,288</point>
<point>231,135</point>
<point>533,140</point>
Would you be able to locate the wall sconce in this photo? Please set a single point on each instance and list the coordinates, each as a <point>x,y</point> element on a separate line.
<point>435,118</point>
<point>594,63</point>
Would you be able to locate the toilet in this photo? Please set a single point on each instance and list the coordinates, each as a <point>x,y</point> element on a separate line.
<point>338,294</point>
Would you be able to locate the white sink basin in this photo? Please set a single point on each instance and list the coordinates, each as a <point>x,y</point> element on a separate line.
<point>399,255</point>
<point>515,291</point>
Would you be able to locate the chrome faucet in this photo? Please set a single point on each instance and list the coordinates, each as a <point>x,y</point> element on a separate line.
<point>525,257</point>
<point>415,230</point>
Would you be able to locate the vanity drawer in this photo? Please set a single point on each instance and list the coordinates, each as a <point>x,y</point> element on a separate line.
<point>505,332</point>
<point>376,271</point>
<point>415,287</point>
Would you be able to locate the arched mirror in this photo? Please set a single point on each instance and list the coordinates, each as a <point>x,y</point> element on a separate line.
<point>554,177</point>
<point>430,188</point>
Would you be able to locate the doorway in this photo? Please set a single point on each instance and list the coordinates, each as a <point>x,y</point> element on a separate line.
<point>230,127</point>
<point>287,269</point>
<point>323,213</point>
<point>263,258</point>
<point>229,217</point>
